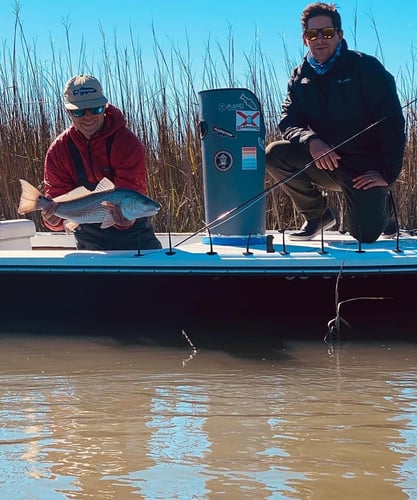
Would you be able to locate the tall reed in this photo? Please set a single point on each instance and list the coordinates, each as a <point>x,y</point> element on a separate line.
<point>162,109</point>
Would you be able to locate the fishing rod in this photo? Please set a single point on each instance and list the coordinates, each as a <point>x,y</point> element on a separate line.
<point>226,216</point>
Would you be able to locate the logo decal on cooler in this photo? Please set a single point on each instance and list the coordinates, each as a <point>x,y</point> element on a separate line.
<point>248,121</point>
<point>249,158</point>
<point>223,160</point>
<point>223,132</point>
<point>249,102</point>
<point>223,106</point>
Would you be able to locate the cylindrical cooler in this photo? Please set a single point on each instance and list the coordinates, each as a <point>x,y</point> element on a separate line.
<point>233,152</point>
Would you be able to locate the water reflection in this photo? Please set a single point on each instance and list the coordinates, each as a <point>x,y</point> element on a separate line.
<point>406,445</point>
<point>178,444</point>
<point>92,418</point>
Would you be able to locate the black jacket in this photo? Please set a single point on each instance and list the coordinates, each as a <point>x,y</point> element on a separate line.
<point>355,93</point>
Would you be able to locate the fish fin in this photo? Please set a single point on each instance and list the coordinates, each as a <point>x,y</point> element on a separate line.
<point>75,194</point>
<point>104,185</point>
<point>29,199</point>
<point>108,220</point>
<point>70,226</point>
<point>79,192</point>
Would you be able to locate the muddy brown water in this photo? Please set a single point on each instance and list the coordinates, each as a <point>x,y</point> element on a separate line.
<point>92,417</point>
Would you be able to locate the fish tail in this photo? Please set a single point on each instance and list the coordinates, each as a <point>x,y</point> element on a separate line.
<point>30,199</point>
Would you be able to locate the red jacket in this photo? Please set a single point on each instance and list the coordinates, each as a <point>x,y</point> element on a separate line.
<point>127,158</point>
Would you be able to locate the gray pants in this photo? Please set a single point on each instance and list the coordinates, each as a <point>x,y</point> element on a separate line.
<point>367,212</point>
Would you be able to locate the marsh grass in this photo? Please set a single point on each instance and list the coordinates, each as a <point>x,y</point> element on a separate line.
<point>162,109</point>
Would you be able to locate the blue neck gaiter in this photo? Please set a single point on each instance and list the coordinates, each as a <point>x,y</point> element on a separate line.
<point>322,68</point>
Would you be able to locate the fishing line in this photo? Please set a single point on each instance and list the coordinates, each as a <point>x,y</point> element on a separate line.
<point>226,216</point>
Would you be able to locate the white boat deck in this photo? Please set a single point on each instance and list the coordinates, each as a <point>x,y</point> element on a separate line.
<point>55,252</point>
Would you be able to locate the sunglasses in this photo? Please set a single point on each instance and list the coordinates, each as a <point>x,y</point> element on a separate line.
<point>313,33</point>
<point>78,113</point>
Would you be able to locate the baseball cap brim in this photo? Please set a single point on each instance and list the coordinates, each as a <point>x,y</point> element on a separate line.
<point>92,103</point>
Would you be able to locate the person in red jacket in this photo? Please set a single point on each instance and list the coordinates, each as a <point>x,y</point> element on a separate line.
<point>97,144</point>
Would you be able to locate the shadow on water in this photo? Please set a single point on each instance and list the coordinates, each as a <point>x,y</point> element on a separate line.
<point>242,334</point>
<point>245,318</point>
<point>235,338</point>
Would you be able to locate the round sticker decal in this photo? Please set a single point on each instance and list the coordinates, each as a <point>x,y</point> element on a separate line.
<point>223,160</point>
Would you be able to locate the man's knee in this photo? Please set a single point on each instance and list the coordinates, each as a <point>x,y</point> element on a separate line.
<point>275,159</point>
<point>274,152</point>
<point>366,234</point>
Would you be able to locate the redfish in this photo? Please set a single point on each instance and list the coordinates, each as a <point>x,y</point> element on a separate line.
<point>82,206</point>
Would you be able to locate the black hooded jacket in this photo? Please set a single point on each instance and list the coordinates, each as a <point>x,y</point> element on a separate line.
<point>354,94</point>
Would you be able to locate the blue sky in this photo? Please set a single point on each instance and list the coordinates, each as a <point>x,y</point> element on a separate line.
<point>175,21</point>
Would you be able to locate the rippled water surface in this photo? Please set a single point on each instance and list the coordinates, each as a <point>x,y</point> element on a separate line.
<point>95,418</point>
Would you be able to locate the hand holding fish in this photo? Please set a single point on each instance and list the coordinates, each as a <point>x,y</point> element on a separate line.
<point>119,220</point>
<point>48,214</point>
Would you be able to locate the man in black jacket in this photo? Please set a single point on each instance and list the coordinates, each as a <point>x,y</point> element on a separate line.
<point>334,94</point>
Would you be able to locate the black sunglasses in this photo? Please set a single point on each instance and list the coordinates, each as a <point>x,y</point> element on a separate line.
<point>327,33</point>
<point>78,113</point>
